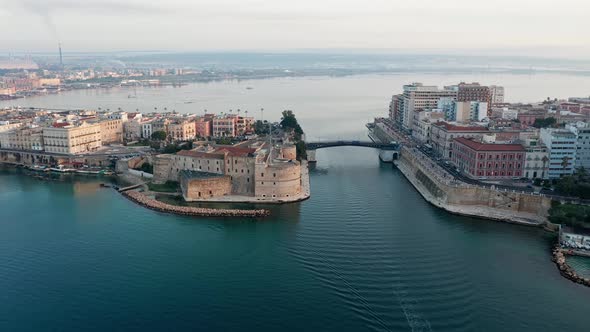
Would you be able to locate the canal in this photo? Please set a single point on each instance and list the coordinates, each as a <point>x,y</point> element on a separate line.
<point>365,253</point>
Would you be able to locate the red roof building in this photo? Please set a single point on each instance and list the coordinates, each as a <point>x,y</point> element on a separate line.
<point>488,160</point>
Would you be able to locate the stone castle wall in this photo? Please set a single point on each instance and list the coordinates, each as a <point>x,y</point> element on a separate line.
<point>280,180</point>
<point>203,188</point>
<point>472,200</point>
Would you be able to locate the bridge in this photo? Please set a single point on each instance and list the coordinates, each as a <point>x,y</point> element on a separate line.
<point>368,144</point>
<point>388,151</point>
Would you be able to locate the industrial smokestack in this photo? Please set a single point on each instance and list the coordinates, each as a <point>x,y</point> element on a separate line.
<point>61,60</point>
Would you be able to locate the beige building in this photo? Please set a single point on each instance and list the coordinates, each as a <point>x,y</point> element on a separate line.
<point>132,130</point>
<point>30,139</point>
<point>111,131</point>
<point>65,138</point>
<point>182,130</point>
<point>443,133</point>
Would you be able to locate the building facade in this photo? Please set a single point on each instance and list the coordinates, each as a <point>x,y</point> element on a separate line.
<point>70,139</point>
<point>474,92</point>
<point>488,160</point>
<point>562,146</point>
<point>417,96</point>
<point>443,133</point>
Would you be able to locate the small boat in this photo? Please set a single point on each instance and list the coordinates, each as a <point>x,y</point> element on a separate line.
<point>62,169</point>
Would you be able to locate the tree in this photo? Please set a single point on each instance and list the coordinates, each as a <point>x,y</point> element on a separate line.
<point>288,121</point>
<point>159,135</point>
<point>301,150</point>
<point>545,123</point>
<point>260,127</point>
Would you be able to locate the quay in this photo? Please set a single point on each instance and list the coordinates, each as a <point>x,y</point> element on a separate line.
<point>145,201</point>
<point>446,191</point>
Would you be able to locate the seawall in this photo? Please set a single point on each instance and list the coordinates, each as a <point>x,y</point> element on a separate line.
<point>156,205</point>
<point>441,190</point>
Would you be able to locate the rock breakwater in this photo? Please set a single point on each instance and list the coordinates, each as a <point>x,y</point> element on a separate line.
<point>156,205</point>
<point>566,270</point>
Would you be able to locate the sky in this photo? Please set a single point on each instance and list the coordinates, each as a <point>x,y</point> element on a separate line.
<point>503,27</point>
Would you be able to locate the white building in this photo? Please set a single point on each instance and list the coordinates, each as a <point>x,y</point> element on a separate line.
<point>65,138</point>
<point>147,129</point>
<point>536,164</point>
<point>422,123</point>
<point>582,132</point>
<point>509,114</point>
<point>417,96</point>
<point>561,145</point>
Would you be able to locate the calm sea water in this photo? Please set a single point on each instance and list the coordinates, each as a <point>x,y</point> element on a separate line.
<point>365,253</point>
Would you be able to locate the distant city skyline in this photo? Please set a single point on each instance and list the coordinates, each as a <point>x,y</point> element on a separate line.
<point>501,27</point>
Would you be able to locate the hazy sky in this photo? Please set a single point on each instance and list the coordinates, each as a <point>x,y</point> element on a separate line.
<point>552,27</point>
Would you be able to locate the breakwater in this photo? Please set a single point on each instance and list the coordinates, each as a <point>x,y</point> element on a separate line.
<point>156,205</point>
<point>566,270</point>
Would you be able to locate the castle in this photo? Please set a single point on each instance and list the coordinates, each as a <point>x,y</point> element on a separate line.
<point>253,168</point>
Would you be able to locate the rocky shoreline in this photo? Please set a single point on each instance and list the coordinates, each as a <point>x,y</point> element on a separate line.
<point>156,205</point>
<point>566,270</point>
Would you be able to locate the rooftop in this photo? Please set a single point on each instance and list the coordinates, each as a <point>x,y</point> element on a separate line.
<point>452,127</point>
<point>199,175</point>
<point>199,154</point>
<point>478,146</point>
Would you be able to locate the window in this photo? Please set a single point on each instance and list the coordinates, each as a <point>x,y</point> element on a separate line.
<point>261,174</point>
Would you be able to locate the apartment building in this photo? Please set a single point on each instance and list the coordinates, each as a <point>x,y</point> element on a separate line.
<point>66,138</point>
<point>562,147</point>
<point>443,133</point>
<point>478,159</point>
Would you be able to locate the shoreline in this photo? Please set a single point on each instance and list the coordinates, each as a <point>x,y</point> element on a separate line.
<point>482,212</point>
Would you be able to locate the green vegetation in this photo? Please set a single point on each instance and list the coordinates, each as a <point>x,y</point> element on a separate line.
<point>577,185</point>
<point>147,167</point>
<point>572,215</point>
<point>545,123</point>
<point>173,147</point>
<point>168,187</point>
<point>224,141</point>
<point>289,122</point>
<point>301,150</point>
<point>159,135</point>
<point>260,127</point>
